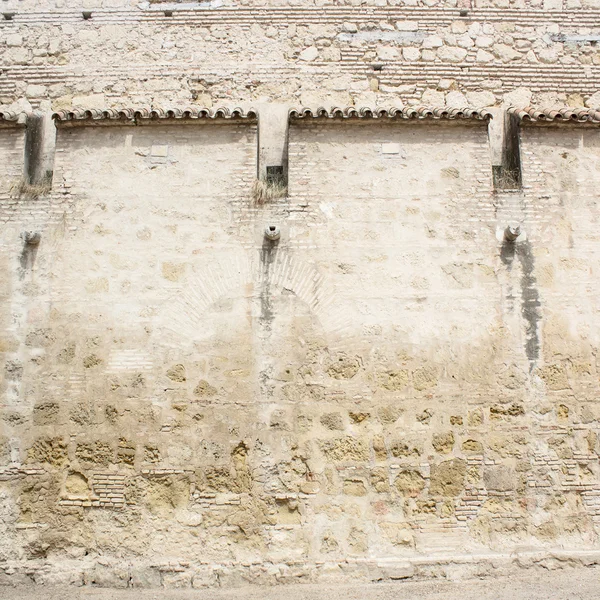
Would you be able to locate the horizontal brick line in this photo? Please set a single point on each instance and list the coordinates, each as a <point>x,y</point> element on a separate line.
<point>312,15</point>
<point>491,70</point>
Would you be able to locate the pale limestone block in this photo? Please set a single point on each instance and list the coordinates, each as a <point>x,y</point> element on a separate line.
<point>459,27</point>
<point>432,41</point>
<point>549,55</point>
<point>484,41</point>
<point>465,41</point>
<point>446,84</point>
<point>87,36</point>
<point>549,100</point>
<point>35,91</point>
<point>432,98</point>
<point>451,54</point>
<point>575,101</point>
<point>332,54</point>
<point>506,53</point>
<point>309,54</point>
<point>339,84</point>
<point>90,101</point>
<point>456,99</point>
<point>14,40</point>
<point>593,101</point>
<point>411,54</point>
<point>531,57</point>
<point>520,97</point>
<point>387,53</point>
<point>474,29</point>
<point>481,99</point>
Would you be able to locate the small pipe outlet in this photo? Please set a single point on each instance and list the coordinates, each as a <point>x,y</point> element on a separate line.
<point>87,14</point>
<point>512,232</point>
<point>31,238</point>
<point>272,232</point>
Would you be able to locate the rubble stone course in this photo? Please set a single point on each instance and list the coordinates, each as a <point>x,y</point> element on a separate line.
<point>128,53</point>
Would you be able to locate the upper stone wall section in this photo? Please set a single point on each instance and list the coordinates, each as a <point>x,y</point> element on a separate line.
<point>166,54</point>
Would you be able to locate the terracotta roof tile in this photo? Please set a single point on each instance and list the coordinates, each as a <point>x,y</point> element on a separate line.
<point>11,119</point>
<point>564,115</point>
<point>411,112</point>
<point>148,114</point>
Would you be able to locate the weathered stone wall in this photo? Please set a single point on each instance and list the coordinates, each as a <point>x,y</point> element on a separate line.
<point>391,389</point>
<point>92,387</point>
<point>12,142</point>
<point>472,340</point>
<point>128,53</point>
<point>560,175</point>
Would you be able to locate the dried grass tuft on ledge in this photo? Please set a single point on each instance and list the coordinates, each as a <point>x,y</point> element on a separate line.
<point>265,191</point>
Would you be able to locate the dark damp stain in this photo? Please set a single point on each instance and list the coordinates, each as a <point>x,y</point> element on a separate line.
<point>27,258</point>
<point>268,253</point>
<point>530,298</point>
<point>507,256</point>
<point>530,301</point>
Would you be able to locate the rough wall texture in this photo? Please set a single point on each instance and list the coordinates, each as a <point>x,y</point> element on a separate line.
<point>12,148</point>
<point>388,390</point>
<point>391,389</point>
<point>316,53</point>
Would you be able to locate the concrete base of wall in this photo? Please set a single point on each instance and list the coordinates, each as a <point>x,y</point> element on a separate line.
<point>562,584</point>
<point>113,573</point>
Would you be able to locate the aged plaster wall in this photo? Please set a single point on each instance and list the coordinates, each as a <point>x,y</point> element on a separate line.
<point>544,53</point>
<point>82,346</point>
<point>389,390</point>
<point>560,167</point>
<point>12,148</point>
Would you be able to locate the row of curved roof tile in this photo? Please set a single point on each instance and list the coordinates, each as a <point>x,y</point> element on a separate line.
<point>134,114</point>
<point>418,112</point>
<point>579,115</point>
<point>9,117</point>
<point>528,114</point>
<point>131,114</point>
